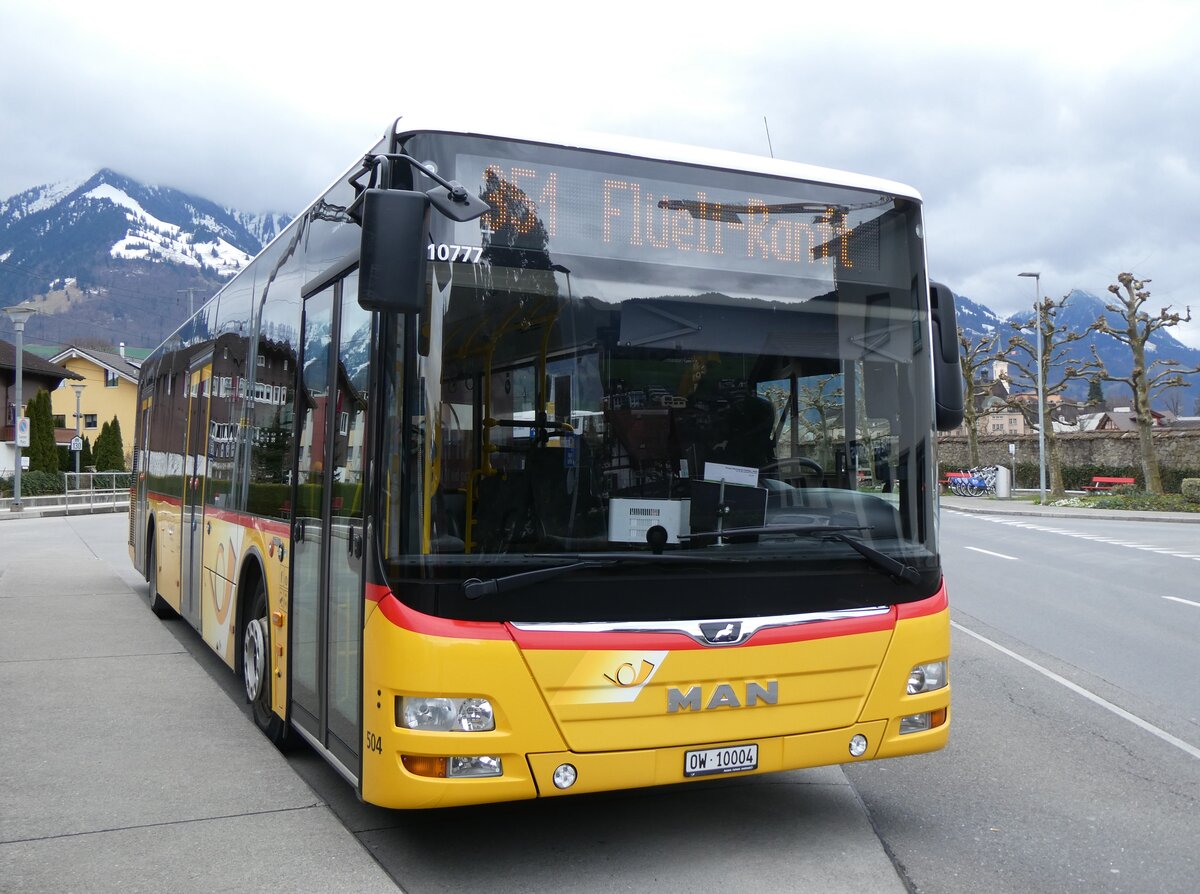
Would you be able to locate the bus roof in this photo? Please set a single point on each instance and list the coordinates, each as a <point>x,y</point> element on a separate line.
<point>663,151</point>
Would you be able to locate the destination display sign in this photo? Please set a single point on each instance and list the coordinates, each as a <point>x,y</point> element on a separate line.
<point>592,213</point>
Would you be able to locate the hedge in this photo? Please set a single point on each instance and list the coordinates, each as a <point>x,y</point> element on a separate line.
<point>35,484</point>
<point>1191,489</point>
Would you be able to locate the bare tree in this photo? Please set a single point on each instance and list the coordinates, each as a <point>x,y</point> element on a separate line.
<point>973,357</point>
<point>819,406</point>
<point>1144,381</point>
<point>1173,399</point>
<point>1056,342</point>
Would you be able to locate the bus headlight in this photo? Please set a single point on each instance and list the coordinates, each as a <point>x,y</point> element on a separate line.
<point>440,714</point>
<point>926,677</point>
<point>475,767</point>
<point>479,766</point>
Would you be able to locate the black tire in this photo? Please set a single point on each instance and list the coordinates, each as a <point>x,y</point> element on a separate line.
<point>158,605</point>
<point>256,667</point>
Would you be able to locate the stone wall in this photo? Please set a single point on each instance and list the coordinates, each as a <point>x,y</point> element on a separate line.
<point>1178,451</point>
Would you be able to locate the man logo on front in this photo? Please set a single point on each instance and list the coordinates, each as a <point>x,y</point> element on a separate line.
<point>722,632</point>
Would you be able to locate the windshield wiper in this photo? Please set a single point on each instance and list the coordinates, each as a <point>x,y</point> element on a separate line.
<point>892,566</point>
<point>474,587</point>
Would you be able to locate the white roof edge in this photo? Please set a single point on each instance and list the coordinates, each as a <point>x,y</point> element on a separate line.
<point>620,145</point>
<point>82,354</point>
<point>665,151</point>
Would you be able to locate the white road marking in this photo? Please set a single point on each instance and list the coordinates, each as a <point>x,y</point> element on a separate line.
<point>988,552</point>
<point>1089,695</point>
<point>1030,526</point>
<point>1184,601</point>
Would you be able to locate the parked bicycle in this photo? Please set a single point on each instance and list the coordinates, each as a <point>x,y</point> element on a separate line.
<point>973,482</point>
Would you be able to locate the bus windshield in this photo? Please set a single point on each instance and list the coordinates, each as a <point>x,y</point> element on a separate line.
<point>628,358</point>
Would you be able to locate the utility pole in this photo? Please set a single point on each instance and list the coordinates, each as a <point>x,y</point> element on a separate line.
<point>19,315</point>
<point>1040,319</point>
<point>78,432</point>
<point>189,292</point>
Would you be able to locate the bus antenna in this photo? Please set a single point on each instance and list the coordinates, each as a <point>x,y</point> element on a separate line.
<point>767,128</point>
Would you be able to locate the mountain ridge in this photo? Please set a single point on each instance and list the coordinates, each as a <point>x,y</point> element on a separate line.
<point>1081,310</point>
<point>111,258</point>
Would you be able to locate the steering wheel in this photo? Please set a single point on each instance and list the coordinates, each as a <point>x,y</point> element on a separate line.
<point>793,470</point>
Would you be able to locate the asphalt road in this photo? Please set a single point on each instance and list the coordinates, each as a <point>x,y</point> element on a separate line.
<point>797,831</point>
<point>1074,761</point>
<point>1073,765</point>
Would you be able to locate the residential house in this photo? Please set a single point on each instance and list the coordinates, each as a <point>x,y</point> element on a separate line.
<point>36,375</point>
<point>1118,419</point>
<point>110,383</point>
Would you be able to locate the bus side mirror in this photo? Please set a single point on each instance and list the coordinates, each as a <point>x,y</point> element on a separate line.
<point>395,224</point>
<point>947,372</point>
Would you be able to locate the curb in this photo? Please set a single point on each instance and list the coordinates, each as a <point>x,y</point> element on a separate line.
<point>6,513</point>
<point>1030,511</point>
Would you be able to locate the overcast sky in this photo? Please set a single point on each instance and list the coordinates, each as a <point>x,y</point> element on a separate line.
<point>1047,136</point>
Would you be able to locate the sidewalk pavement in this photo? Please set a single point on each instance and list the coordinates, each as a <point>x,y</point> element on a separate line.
<point>122,767</point>
<point>995,506</point>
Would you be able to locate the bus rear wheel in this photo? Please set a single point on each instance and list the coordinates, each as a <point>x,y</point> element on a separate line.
<point>256,667</point>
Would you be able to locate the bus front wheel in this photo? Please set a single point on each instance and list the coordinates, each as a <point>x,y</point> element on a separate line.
<point>158,605</point>
<point>256,667</point>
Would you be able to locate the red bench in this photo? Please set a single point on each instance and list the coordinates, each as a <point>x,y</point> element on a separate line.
<point>1100,482</point>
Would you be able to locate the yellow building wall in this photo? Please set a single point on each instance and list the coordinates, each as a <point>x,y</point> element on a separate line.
<point>104,402</point>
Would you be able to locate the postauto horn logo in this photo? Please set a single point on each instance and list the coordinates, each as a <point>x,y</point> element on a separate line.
<point>626,675</point>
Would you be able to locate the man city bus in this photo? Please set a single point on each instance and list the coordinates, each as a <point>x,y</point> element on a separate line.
<point>522,466</point>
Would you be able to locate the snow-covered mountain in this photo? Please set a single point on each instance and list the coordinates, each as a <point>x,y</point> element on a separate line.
<point>110,257</point>
<point>976,320</point>
<point>1081,311</point>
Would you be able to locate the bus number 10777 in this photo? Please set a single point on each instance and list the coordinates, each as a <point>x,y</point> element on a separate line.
<point>445,251</point>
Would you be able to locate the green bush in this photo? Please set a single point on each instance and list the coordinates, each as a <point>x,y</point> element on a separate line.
<point>1190,488</point>
<point>1140,501</point>
<point>35,484</point>
<point>42,452</point>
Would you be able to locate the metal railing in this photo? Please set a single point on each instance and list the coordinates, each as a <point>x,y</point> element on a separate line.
<point>82,492</point>
<point>95,490</point>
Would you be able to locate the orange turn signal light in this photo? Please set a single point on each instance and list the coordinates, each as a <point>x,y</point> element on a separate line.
<point>420,765</point>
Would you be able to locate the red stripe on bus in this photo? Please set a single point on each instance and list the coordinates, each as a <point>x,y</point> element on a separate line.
<point>245,519</point>
<point>410,619</point>
<point>258,523</point>
<point>938,602</point>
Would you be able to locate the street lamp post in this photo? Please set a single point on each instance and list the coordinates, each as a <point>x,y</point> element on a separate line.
<point>78,395</point>
<point>1041,386</point>
<point>18,315</point>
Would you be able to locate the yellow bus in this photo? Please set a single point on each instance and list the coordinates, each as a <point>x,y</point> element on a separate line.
<point>526,466</point>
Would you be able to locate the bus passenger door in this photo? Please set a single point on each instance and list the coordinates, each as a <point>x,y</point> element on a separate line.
<point>195,473</point>
<point>327,535</point>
